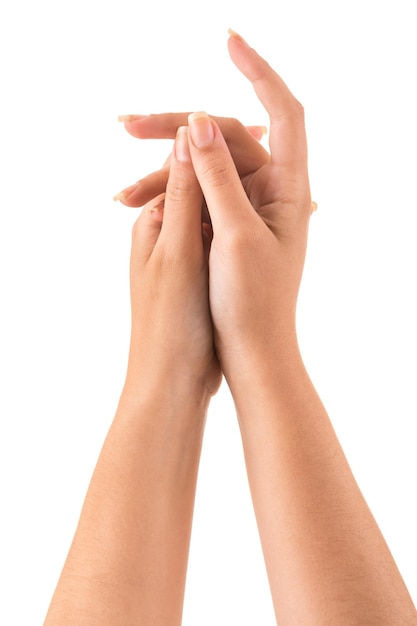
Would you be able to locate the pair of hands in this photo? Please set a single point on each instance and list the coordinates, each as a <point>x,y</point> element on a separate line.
<point>215,290</point>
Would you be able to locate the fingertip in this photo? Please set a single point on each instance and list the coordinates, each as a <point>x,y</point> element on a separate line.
<point>234,35</point>
<point>156,214</point>
<point>243,56</point>
<point>130,118</point>
<point>202,129</point>
<point>155,208</point>
<point>136,125</point>
<point>181,146</point>
<point>258,132</point>
<point>124,195</point>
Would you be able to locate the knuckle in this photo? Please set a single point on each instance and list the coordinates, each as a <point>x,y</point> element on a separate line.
<point>216,173</point>
<point>177,189</point>
<point>293,112</point>
<point>298,109</point>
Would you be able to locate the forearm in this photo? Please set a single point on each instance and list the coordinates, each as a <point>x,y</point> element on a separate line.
<point>127,564</point>
<point>326,558</point>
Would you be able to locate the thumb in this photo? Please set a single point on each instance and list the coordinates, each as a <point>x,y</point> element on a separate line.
<point>226,199</point>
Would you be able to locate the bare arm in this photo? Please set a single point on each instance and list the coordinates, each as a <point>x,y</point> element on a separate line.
<point>127,563</point>
<point>326,558</point>
<point>128,560</point>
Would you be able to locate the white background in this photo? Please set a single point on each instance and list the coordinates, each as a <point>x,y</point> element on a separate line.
<point>67,71</point>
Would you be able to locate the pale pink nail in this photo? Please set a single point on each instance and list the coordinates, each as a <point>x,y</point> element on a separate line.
<point>182,149</point>
<point>201,129</point>
<point>131,118</point>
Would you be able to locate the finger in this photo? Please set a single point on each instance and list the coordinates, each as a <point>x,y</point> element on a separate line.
<point>287,135</point>
<point>146,231</point>
<point>145,189</point>
<point>164,125</point>
<point>226,199</point>
<point>246,152</point>
<point>181,227</point>
<point>257,131</point>
<point>154,126</point>
<point>243,141</point>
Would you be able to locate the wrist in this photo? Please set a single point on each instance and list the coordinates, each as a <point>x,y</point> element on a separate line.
<point>272,355</point>
<point>177,401</point>
<point>267,375</point>
<point>172,373</point>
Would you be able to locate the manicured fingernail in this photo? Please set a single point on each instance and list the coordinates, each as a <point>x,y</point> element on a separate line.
<point>182,150</point>
<point>124,194</point>
<point>130,118</point>
<point>201,129</point>
<point>314,206</point>
<point>236,36</point>
<point>257,131</point>
<point>120,196</point>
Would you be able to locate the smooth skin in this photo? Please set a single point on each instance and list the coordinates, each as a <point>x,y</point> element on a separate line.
<point>327,561</point>
<point>127,563</point>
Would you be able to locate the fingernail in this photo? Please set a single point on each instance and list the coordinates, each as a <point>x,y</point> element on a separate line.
<point>201,129</point>
<point>233,33</point>
<point>157,210</point>
<point>257,131</point>
<point>120,196</point>
<point>130,118</point>
<point>124,194</point>
<point>182,149</point>
<point>236,36</point>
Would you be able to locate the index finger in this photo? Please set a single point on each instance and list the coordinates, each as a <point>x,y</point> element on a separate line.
<point>243,141</point>
<point>287,139</point>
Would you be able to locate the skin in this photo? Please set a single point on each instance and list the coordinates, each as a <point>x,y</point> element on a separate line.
<point>128,560</point>
<point>234,286</point>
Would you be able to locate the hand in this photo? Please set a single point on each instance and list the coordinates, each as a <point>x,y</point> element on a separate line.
<point>171,341</point>
<point>260,206</point>
<point>242,141</point>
